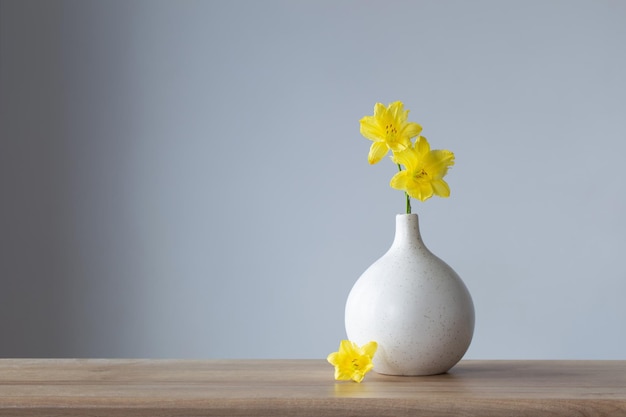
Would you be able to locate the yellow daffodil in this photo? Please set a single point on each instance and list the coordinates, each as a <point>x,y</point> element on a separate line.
<point>351,361</point>
<point>389,129</point>
<point>424,170</point>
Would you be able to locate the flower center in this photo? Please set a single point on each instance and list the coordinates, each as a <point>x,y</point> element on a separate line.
<point>391,131</point>
<point>420,174</point>
<point>355,363</point>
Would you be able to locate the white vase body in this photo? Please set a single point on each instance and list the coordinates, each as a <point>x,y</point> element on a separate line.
<point>413,305</point>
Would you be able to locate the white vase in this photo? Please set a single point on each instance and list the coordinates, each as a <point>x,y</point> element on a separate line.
<point>413,305</point>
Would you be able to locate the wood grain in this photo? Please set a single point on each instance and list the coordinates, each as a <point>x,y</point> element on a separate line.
<point>125,387</point>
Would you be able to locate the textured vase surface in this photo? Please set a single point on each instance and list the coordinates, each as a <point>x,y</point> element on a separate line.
<point>413,305</point>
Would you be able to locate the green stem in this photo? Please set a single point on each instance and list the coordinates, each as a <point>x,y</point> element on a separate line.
<point>408,203</point>
<point>408,197</point>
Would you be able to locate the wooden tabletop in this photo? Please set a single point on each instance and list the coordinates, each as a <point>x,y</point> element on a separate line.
<point>104,387</point>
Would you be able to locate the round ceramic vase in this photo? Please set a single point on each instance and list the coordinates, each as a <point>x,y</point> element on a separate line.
<point>413,305</point>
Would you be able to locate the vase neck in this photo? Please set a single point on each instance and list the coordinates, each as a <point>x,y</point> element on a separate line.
<point>407,231</point>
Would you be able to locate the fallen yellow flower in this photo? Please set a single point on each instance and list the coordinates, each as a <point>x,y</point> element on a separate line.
<point>352,362</point>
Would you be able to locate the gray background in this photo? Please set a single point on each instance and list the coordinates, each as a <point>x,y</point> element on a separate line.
<point>187,179</point>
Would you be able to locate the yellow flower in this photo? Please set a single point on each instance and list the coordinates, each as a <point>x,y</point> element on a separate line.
<point>352,362</point>
<point>388,129</point>
<point>424,170</point>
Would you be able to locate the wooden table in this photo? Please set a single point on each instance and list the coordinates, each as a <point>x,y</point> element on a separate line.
<point>103,387</point>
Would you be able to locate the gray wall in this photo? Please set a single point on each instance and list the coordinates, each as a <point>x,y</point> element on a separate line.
<point>187,179</point>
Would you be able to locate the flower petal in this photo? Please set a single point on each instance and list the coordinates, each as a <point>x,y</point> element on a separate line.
<point>422,190</point>
<point>333,358</point>
<point>371,128</point>
<point>411,130</point>
<point>441,188</point>
<point>378,150</point>
<point>379,110</point>
<point>400,181</point>
<point>370,348</point>
<point>399,144</point>
<point>396,111</point>
<point>407,158</point>
<point>346,347</point>
<point>437,163</point>
<point>358,376</point>
<point>422,146</point>
<point>341,374</point>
